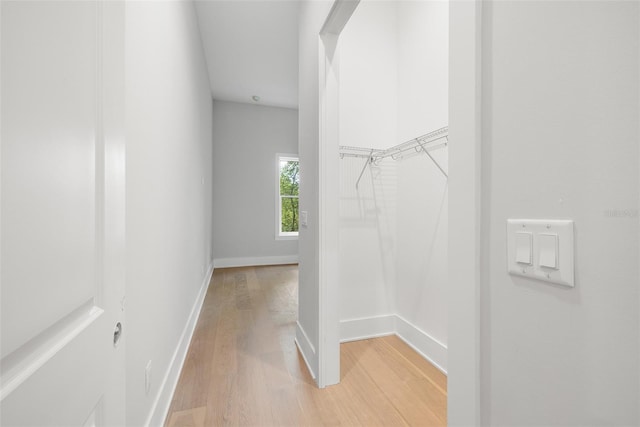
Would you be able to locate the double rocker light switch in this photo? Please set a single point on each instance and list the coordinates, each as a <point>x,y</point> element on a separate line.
<point>541,249</point>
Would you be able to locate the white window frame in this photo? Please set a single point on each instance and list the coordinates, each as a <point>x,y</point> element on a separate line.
<point>283,235</point>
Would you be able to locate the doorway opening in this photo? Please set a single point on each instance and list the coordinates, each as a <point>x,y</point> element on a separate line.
<point>386,111</point>
<point>413,216</point>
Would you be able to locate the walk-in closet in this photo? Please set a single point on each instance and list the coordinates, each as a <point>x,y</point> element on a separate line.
<point>394,143</point>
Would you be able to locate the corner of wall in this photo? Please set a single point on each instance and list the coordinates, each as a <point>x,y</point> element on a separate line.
<point>307,350</point>
<point>392,324</point>
<point>423,343</point>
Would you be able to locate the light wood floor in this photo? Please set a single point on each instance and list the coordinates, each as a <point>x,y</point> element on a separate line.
<point>243,367</point>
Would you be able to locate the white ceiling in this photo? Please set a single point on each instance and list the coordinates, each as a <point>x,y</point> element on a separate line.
<point>251,48</point>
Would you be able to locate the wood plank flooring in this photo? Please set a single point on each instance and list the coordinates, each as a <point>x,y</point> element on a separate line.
<point>243,367</point>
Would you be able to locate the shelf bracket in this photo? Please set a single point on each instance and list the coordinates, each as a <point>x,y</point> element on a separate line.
<point>432,159</point>
<point>369,160</point>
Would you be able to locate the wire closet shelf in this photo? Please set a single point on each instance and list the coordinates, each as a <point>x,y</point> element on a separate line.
<point>425,143</point>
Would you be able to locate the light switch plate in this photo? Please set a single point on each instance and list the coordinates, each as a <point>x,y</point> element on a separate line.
<point>303,218</point>
<point>542,231</point>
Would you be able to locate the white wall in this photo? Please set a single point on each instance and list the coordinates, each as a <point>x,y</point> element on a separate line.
<point>368,118</point>
<point>313,13</point>
<point>422,257</point>
<point>369,76</point>
<point>560,136</point>
<point>169,187</point>
<point>367,244</point>
<point>246,139</point>
<point>422,199</point>
<point>423,71</point>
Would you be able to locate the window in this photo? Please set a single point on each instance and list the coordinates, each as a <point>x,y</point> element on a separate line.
<point>288,184</point>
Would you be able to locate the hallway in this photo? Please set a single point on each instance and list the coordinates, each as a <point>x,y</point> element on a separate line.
<point>243,367</point>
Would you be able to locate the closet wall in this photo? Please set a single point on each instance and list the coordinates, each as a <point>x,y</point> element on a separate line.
<point>423,95</point>
<point>393,227</point>
<point>368,118</point>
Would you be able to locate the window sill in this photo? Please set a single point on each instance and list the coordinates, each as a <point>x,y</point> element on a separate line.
<point>291,236</point>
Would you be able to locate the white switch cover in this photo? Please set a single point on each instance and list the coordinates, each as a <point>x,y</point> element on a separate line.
<point>303,218</point>
<point>551,250</point>
<point>548,250</point>
<point>523,247</point>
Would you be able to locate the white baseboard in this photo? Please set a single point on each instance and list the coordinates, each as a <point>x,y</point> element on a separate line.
<point>306,348</point>
<point>368,327</point>
<point>160,408</point>
<point>427,346</point>
<point>392,324</point>
<point>253,261</point>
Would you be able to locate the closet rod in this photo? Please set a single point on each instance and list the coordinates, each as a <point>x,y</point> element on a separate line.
<point>417,144</point>
<point>436,135</point>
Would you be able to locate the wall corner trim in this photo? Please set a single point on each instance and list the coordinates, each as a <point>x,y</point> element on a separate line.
<point>391,324</point>
<point>160,408</point>
<point>367,327</point>
<point>306,348</point>
<point>427,346</point>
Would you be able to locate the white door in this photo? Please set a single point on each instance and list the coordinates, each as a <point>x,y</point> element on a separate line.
<point>62,207</point>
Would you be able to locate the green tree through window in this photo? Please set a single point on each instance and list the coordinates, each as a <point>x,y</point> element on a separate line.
<point>289,188</point>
